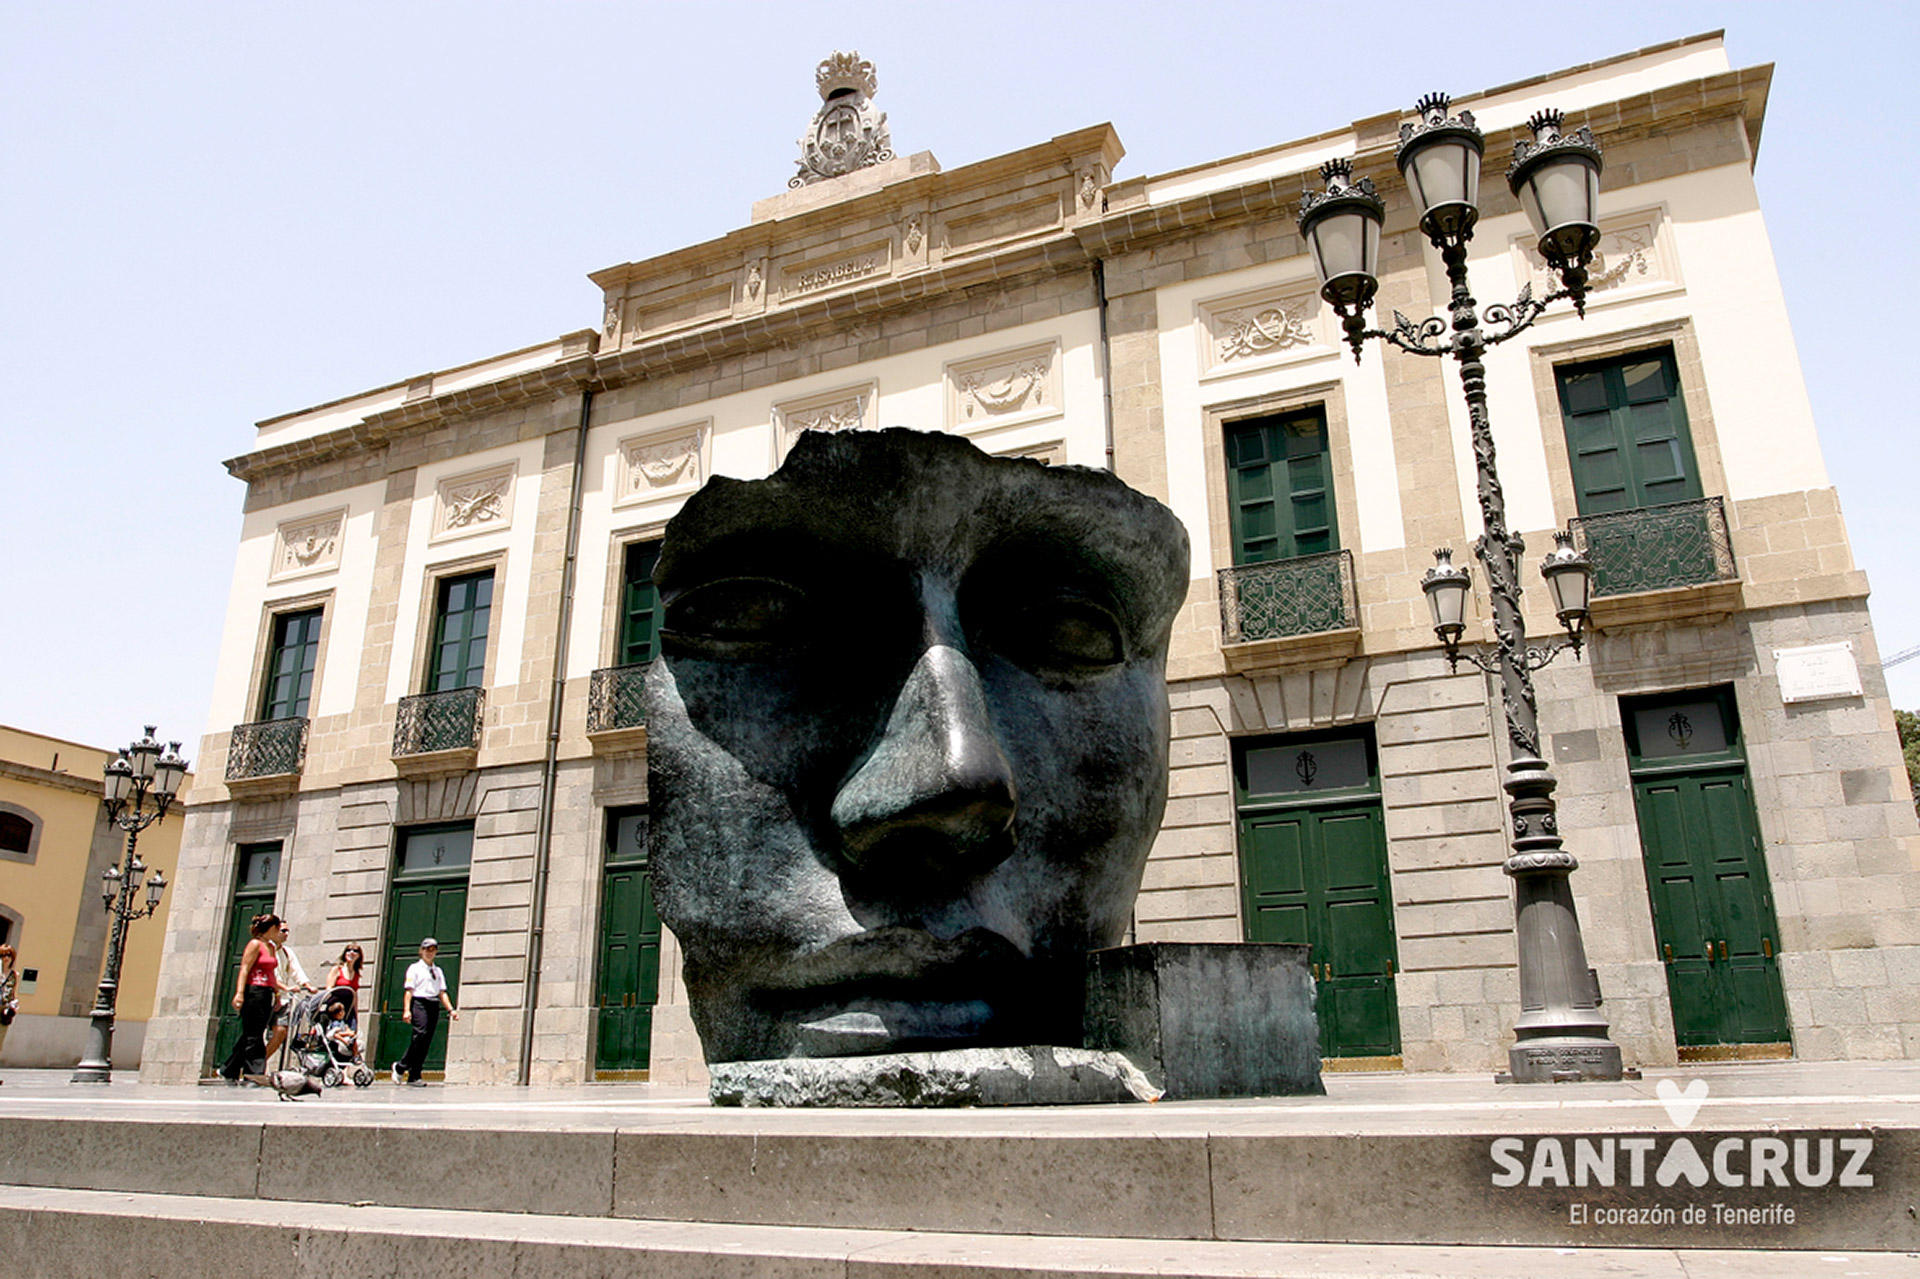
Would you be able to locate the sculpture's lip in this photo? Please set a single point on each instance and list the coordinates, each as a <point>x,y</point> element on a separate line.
<point>898,963</point>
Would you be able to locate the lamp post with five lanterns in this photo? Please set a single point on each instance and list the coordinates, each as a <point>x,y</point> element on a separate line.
<point>141,773</point>
<point>1560,1034</point>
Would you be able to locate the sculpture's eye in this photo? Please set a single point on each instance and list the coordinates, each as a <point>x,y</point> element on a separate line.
<point>1067,635</point>
<point>739,617</point>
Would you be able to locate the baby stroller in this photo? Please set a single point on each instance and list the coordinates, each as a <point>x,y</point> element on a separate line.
<point>319,1055</point>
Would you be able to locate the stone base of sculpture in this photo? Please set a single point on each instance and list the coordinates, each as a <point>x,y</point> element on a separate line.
<point>1208,1019</point>
<point>1176,1020</point>
<point>1038,1076</point>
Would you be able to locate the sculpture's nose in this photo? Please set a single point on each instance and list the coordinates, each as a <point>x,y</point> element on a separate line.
<point>938,789</point>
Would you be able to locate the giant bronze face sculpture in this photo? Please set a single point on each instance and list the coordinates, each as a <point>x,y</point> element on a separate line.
<point>907,742</point>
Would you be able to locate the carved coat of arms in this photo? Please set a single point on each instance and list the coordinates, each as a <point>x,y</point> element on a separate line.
<point>848,132</point>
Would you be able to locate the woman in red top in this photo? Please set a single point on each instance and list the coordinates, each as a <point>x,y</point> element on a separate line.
<point>254,992</point>
<point>346,976</point>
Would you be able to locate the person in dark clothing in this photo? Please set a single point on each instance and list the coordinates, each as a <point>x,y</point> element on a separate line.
<point>254,994</point>
<point>421,999</point>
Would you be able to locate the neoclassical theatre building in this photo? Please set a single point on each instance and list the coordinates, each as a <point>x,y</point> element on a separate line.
<point>427,717</point>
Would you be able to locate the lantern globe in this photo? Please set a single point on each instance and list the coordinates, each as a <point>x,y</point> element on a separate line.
<point>1342,229</point>
<point>1440,159</point>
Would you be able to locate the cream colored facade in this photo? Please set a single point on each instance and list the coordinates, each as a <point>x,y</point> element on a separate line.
<point>50,900</point>
<point>1039,306</point>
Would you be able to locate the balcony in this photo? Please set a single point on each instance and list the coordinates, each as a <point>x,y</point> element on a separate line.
<point>267,754</point>
<point>438,732</point>
<point>1660,563</point>
<point>616,713</point>
<point>1289,613</point>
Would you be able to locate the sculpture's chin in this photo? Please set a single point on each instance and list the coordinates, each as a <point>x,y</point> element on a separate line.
<point>869,1026</point>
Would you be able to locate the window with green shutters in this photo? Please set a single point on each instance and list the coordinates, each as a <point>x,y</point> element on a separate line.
<point>639,605</point>
<point>1627,436</point>
<point>291,660</point>
<point>1280,487</point>
<point>461,612</point>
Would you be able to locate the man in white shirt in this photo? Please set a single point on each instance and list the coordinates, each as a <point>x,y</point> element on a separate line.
<point>421,998</point>
<point>292,981</point>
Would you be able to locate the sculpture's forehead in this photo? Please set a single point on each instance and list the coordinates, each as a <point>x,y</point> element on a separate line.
<point>930,502</point>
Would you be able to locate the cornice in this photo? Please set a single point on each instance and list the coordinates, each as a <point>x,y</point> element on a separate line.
<point>378,429</point>
<point>34,775</point>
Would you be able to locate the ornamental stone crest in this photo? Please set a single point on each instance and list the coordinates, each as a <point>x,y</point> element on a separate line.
<point>308,546</point>
<point>474,502</point>
<point>848,132</point>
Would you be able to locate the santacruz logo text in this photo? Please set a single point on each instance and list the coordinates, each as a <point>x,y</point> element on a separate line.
<point>1731,1162</point>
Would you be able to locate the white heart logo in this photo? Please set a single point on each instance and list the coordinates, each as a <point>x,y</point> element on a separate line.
<point>1682,1105</point>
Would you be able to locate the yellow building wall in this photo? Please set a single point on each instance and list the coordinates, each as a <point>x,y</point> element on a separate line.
<point>59,783</point>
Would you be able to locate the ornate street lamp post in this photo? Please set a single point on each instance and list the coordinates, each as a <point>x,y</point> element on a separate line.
<point>1561,1034</point>
<point>142,773</point>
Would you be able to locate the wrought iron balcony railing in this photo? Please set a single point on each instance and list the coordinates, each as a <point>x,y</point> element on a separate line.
<point>1657,548</point>
<point>1306,595</point>
<point>613,698</point>
<point>448,721</point>
<point>267,748</point>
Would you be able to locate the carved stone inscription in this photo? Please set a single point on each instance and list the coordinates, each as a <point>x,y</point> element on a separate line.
<point>474,502</point>
<point>1631,254</point>
<point>849,409</point>
<point>1246,329</point>
<point>310,545</point>
<point>653,465</point>
<point>1007,387</point>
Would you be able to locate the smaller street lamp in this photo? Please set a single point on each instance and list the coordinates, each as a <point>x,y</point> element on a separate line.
<point>139,786</point>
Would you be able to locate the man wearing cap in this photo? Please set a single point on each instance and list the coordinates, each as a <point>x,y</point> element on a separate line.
<point>420,1002</point>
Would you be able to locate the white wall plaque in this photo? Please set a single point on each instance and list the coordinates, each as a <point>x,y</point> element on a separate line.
<point>310,545</point>
<point>662,463</point>
<point>1280,323</point>
<point>848,409</point>
<point>475,502</point>
<point>1817,671</point>
<point>1634,256</point>
<point>1004,388</point>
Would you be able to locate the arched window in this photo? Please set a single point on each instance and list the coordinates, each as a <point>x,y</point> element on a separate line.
<point>19,832</point>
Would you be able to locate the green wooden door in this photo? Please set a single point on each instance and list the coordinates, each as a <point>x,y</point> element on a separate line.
<point>629,980</point>
<point>1713,917</point>
<point>1319,876</point>
<point>255,885</point>
<point>1313,852</point>
<point>428,899</point>
<point>1712,910</point>
<point>1280,487</point>
<point>291,662</point>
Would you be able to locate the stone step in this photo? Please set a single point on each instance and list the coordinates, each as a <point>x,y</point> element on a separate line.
<point>1163,1174</point>
<point>82,1234</point>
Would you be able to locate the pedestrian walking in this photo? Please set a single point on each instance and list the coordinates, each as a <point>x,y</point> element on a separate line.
<point>255,991</point>
<point>9,993</point>
<point>421,999</point>
<point>292,981</point>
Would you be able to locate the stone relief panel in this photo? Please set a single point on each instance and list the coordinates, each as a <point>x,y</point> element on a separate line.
<point>847,409</point>
<point>1635,255</point>
<point>1047,452</point>
<point>1275,325</point>
<point>663,463</point>
<point>1001,389</point>
<point>308,545</point>
<point>476,502</point>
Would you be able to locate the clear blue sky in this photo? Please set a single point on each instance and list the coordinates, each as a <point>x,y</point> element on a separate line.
<point>214,214</point>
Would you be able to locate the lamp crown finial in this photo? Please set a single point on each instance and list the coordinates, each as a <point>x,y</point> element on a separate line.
<point>1433,105</point>
<point>1339,169</point>
<point>1546,125</point>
